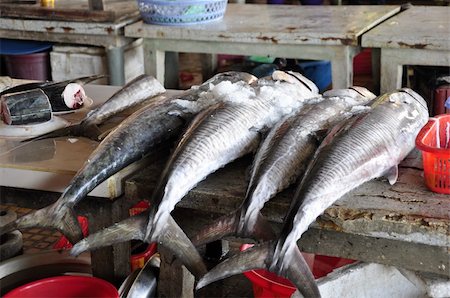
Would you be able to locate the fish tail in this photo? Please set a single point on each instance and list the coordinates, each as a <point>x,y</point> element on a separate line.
<point>256,257</point>
<point>261,256</point>
<point>175,240</point>
<point>224,226</point>
<point>132,228</point>
<point>63,219</point>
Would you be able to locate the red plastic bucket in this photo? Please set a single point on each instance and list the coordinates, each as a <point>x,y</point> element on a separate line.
<point>65,287</point>
<point>34,66</point>
<point>268,284</point>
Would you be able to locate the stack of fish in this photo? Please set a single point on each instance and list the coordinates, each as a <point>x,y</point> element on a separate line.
<point>329,143</point>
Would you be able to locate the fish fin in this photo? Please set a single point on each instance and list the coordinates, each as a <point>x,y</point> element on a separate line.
<point>224,226</point>
<point>61,218</point>
<point>392,175</point>
<point>194,124</point>
<point>298,272</point>
<point>175,240</point>
<point>264,150</point>
<point>72,130</point>
<point>259,257</point>
<point>132,228</point>
<point>256,257</point>
<point>262,230</point>
<point>92,132</point>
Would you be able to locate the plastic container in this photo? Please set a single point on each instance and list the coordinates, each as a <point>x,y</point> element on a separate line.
<point>31,66</point>
<point>311,2</point>
<point>362,63</point>
<point>434,142</point>
<point>190,12</point>
<point>440,96</point>
<point>318,71</point>
<point>268,284</point>
<point>65,287</point>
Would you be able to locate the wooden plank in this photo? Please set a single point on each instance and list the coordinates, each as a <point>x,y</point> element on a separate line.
<point>72,11</point>
<point>420,27</point>
<point>277,24</point>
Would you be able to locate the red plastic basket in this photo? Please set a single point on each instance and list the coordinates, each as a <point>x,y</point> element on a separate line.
<point>434,142</point>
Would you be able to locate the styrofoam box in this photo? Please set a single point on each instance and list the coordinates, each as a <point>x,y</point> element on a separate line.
<point>68,61</point>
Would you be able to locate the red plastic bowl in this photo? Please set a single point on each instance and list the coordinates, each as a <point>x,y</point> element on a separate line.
<point>65,287</point>
<point>268,284</point>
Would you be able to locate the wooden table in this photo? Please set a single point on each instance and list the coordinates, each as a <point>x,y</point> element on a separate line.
<point>290,31</point>
<point>404,225</point>
<point>74,26</point>
<point>418,36</point>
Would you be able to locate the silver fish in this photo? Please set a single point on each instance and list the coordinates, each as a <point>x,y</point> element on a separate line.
<point>132,94</point>
<point>216,137</point>
<point>135,137</point>
<point>281,159</point>
<point>362,148</point>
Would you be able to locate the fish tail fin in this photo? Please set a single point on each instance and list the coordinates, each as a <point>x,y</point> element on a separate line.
<point>261,256</point>
<point>256,257</point>
<point>61,218</point>
<point>175,240</point>
<point>132,228</point>
<point>298,272</point>
<point>224,226</point>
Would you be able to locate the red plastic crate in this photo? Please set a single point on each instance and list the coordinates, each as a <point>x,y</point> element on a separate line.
<point>434,142</point>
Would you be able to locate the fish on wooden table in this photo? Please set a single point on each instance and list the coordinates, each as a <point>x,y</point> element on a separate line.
<point>139,134</point>
<point>281,158</point>
<point>64,96</point>
<point>217,136</point>
<point>366,146</point>
<point>133,93</point>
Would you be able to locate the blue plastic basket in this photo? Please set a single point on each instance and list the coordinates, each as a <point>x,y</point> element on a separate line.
<point>180,12</point>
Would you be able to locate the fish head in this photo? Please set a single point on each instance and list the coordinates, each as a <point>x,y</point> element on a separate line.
<point>231,76</point>
<point>74,96</point>
<point>353,96</point>
<point>411,111</point>
<point>295,78</point>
